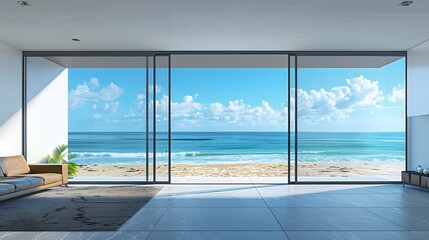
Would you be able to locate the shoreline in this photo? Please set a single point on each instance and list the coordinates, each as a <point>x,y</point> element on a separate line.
<point>250,169</point>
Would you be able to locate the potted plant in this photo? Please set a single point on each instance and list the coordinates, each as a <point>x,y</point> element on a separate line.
<point>60,155</point>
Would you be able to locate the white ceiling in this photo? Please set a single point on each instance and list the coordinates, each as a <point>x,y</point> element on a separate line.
<point>127,25</point>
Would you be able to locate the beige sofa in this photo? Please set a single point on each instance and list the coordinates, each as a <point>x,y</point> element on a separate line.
<point>18,178</point>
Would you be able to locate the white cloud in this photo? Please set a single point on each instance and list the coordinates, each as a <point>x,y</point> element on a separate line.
<point>397,95</point>
<point>216,108</point>
<point>235,113</point>
<point>80,95</point>
<point>238,112</point>
<point>158,88</point>
<point>111,107</point>
<point>93,83</point>
<point>94,107</point>
<point>84,93</point>
<point>364,92</point>
<point>335,104</point>
<point>183,109</point>
<point>110,93</point>
<point>138,110</point>
<point>320,105</point>
<point>131,115</point>
<point>140,105</point>
<point>141,96</point>
<point>96,115</point>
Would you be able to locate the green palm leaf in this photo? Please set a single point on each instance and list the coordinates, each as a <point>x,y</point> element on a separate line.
<point>60,155</point>
<point>73,168</point>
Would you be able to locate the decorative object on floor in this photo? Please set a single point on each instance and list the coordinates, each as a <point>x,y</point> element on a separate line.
<point>60,155</point>
<point>76,208</point>
<point>426,171</point>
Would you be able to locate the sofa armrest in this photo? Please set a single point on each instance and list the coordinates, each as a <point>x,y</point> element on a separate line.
<point>51,168</point>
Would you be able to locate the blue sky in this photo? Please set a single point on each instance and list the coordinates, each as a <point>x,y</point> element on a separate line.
<point>240,99</point>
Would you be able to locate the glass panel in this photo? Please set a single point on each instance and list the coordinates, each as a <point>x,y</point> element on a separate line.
<point>351,117</point>
<point>161,94</point>
<point>150,119</point>
<point>292,122</point>
<point>107,117</point>
<point>229,118</point>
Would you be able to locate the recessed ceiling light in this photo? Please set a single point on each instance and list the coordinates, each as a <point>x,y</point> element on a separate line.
<point>76,39</point>
<point>24,3</point>
<point>406,3</point>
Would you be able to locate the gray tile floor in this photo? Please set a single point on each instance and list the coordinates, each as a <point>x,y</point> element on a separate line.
<point>271,212</point>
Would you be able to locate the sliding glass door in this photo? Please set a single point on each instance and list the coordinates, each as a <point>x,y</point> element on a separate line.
<point>162,105</point>
<point>111,112</point>
<point>232,117</point>
<point>106,119</point>
<point>351,118</point>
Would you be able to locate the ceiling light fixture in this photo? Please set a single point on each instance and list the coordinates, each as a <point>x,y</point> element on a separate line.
<point>406,3</point>
<point>76,39</point>
<point>24,3</point>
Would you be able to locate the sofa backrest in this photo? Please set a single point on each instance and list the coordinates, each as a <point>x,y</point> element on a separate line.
<point>14,165</point>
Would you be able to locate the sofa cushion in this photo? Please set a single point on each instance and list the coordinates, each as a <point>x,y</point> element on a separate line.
<point>47,177</point>
<point>6,188</point>
<point>14,165</point>
<point>22,183</point>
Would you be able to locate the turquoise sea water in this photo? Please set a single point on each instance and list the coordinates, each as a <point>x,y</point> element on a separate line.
<point>233,147</point>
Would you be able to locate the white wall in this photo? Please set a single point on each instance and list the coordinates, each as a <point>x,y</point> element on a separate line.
<point>10,100</point>
<point>418,80</point>
<point>418,141</point>
<point>47,109</point>
<point>418,106</point>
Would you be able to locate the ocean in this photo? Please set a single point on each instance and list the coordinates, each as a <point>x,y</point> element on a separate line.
<point>237,147</point>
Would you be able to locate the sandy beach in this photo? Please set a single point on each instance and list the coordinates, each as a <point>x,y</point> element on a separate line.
<point>310,169</point>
